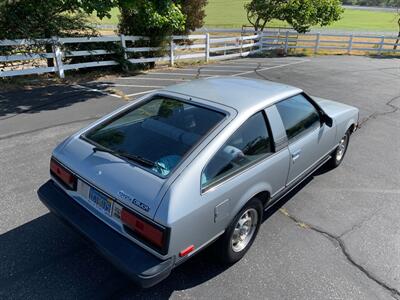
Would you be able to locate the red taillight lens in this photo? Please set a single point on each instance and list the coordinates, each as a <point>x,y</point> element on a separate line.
<point>142,228</point>
<point>66,177</point>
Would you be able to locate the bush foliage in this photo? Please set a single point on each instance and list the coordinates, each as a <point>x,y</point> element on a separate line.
<point>43,19</point>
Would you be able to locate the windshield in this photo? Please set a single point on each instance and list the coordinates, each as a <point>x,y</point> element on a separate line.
<point>156,134</point>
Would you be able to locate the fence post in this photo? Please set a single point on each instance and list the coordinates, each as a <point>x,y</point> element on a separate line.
<point>260,40</point>
<point>123,45</point>
<point>171,52</point>
<point>317,43</point>
<point>207,42</point>
<point>381,45</point>
<point>350,44</point>
<point>58,57</point>
<point>241,45</point>
<point>286,41</point>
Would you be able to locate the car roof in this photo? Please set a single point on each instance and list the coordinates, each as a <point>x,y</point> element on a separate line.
<point>239,93</point>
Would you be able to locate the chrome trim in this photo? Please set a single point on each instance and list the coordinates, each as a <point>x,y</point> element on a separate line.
<point>278,191</point>
<point>290,188</point>
<point>310,167</point>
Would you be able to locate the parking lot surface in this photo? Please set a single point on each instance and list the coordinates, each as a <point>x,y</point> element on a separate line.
<point>336,237</point>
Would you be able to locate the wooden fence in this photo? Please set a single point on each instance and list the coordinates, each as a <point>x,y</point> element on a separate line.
<point>23,61</point>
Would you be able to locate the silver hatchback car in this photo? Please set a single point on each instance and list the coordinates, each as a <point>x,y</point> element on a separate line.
<point>156,181</point>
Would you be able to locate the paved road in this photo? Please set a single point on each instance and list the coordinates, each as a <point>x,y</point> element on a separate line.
<point>336,237</point>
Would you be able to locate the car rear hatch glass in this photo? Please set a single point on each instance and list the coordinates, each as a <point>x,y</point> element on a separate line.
<point>155,135</point>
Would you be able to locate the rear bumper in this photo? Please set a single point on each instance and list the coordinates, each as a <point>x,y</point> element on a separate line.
<point>141,266</point>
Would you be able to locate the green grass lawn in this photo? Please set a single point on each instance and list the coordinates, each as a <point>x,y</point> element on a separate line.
<point>107,21</point>
<point>231,14</point>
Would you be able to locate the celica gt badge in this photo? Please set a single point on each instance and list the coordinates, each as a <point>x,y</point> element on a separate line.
<point>128,198</point>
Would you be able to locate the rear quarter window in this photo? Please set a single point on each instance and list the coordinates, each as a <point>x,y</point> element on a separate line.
<point>247,145</point>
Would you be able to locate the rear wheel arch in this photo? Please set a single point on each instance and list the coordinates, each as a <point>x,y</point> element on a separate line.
<point>262,196</point>
<point>260,191</point>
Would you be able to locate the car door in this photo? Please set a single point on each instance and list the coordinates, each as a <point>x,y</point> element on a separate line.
<point>308,137</point>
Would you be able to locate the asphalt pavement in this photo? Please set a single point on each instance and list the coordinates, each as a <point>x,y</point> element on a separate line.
<point>336,237</point>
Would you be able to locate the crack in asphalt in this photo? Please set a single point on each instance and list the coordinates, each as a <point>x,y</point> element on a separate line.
<point>198,72</point>
<point>259,74</point>
<point>255,70</point>
<point>374,115</point>
<point>395,293</point>
<point>362,222</point>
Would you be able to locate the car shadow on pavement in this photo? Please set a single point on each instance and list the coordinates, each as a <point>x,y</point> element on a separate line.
<point>45,259</point>
<point>38,99</point>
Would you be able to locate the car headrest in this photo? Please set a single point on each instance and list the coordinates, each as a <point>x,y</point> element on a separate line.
<point>169,131</point>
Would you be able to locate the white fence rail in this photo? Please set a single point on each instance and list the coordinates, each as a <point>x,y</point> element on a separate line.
<point>200,46</point>
<point>348,43</point>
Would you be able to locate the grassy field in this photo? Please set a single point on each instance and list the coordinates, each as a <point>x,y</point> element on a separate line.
<point>231,14</point>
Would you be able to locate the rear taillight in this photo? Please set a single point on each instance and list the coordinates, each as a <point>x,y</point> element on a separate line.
<point>145,230</point>
<point>65,177</point>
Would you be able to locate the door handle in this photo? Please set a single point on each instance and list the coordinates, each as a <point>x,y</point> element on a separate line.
<point>296,155</point>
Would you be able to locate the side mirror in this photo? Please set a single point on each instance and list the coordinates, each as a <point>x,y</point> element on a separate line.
<point>327,120</point>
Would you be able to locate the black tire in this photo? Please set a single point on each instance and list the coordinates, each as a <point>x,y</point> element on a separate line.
<point>338,157</point>
<point>224,246</point>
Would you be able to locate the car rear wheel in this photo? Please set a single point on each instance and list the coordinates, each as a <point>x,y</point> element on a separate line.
<point>340,151</point>
<point>241,233</point>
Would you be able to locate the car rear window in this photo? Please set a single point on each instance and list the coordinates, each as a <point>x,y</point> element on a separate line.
<point>160,132</point>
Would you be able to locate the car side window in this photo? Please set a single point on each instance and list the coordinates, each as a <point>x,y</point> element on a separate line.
<point>298,115</point>
<point>249,143</point>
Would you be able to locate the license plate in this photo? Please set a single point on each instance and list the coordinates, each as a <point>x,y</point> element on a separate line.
<point>101,201</point>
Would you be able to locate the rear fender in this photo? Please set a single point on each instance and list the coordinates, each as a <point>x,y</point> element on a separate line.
<point>246,197</point>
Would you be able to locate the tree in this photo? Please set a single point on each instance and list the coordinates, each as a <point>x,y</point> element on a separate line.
<point>154,18</point>
<point>194,13</point>
<point>42,19</point>
<point>33,19</point>
<point>396,3</point>
<point>300,14</point>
